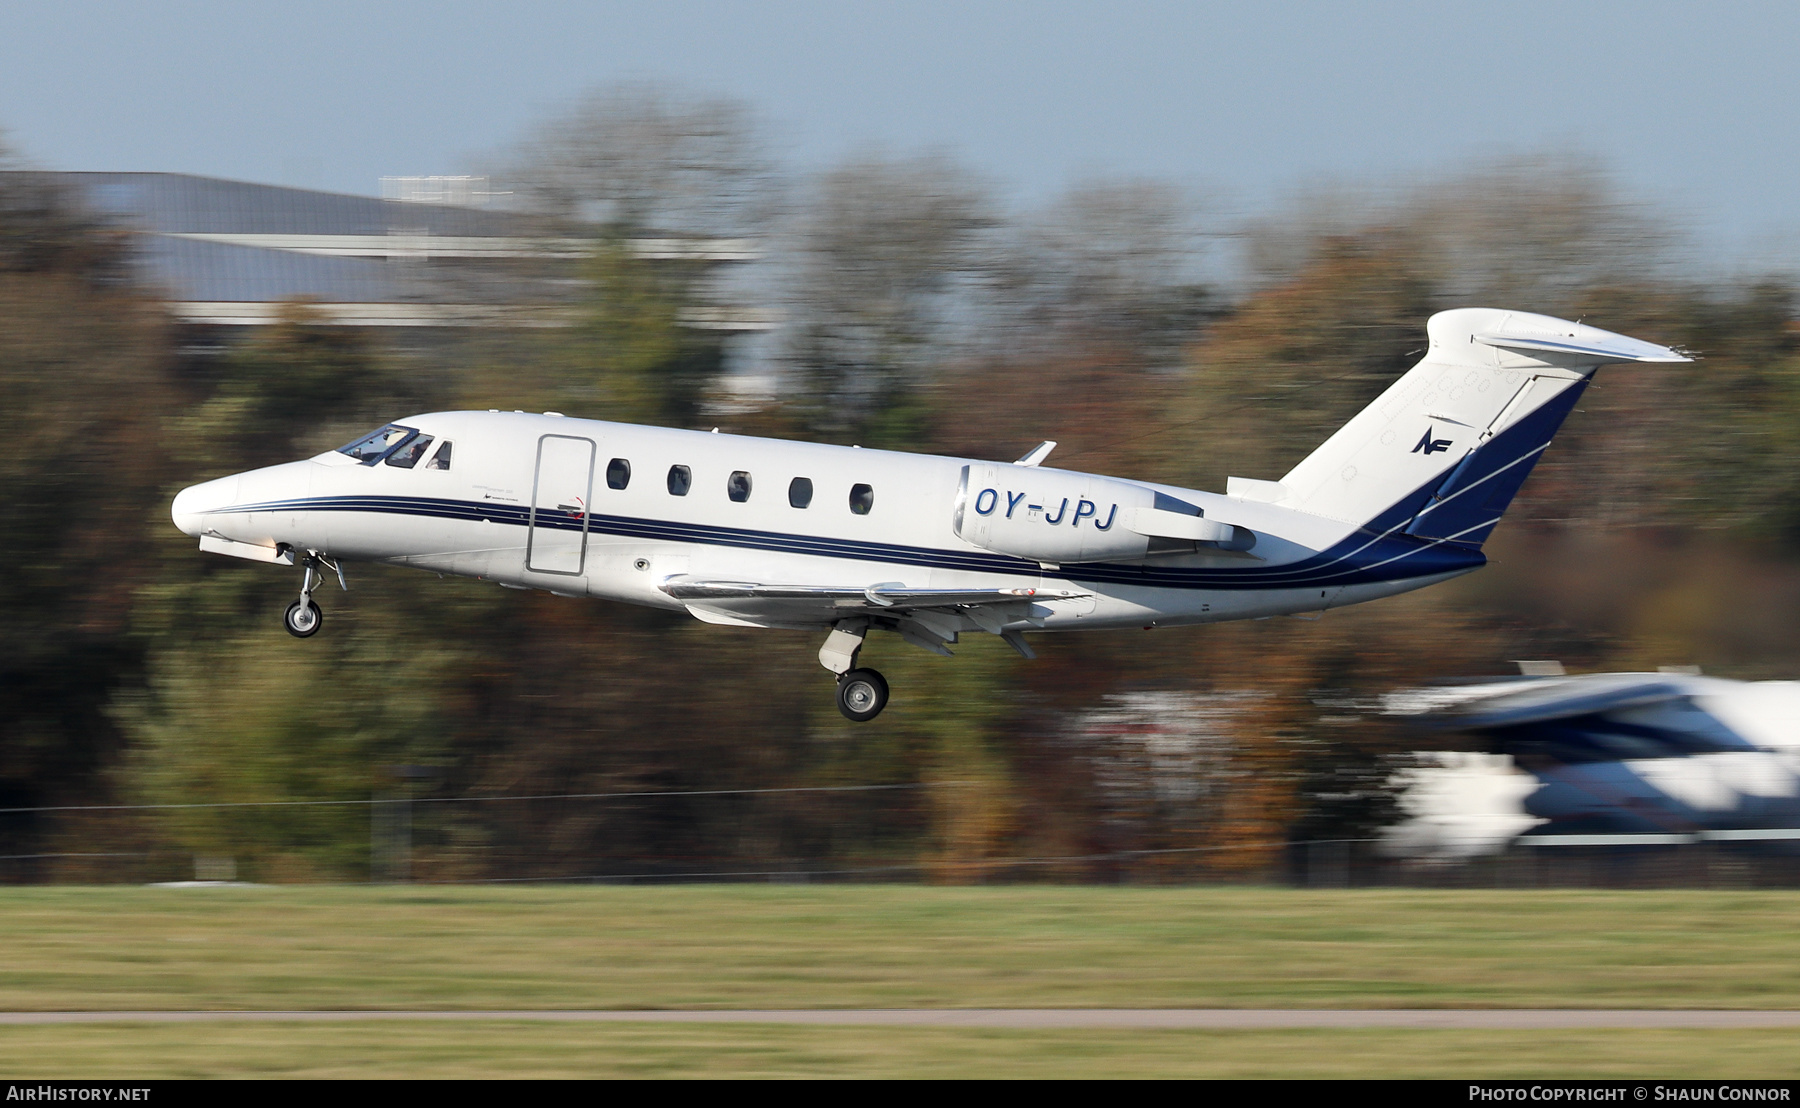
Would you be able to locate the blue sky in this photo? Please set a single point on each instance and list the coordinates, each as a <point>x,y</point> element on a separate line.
<point>1691,105</point>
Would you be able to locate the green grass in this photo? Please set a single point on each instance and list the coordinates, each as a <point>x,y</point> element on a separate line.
<point>892,946</point>
<point>492,1049</point>
<point>885,946</point>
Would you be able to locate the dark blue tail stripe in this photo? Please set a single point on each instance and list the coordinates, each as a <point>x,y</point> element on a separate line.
<point>1471,500</point>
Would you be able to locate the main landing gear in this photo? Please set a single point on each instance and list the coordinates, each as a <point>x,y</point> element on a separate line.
<point>303,618</point>
<point>861,693</point>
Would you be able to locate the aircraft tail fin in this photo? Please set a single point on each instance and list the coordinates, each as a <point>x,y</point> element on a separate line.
<point>1442,452</point>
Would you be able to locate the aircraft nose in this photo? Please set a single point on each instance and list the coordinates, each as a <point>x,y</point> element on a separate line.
<point>192,503</point>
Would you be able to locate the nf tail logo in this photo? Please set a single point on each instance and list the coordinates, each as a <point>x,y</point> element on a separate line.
<point>1429,445</point>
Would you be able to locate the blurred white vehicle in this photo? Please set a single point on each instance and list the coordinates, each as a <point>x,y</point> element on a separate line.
<point>1611,758</point>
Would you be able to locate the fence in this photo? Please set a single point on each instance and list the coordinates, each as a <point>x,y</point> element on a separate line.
<point>1720,860</point>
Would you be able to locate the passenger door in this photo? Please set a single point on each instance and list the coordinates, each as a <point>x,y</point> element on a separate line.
<point>561,492</point>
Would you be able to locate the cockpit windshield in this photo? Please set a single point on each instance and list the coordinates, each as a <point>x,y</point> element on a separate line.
<point>372,448</point>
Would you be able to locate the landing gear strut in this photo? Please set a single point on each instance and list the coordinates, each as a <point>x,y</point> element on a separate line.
<point>303,618</point>
<point>861,693</point>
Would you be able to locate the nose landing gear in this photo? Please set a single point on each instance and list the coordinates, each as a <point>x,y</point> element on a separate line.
<point>303,618</point>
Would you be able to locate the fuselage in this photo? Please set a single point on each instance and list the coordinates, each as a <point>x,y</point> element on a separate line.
<point>589,508</point>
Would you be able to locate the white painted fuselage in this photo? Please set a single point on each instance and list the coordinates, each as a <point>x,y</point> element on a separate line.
<point>497,515</point>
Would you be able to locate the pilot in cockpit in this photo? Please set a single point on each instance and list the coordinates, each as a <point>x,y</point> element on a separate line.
<point>408,456</point>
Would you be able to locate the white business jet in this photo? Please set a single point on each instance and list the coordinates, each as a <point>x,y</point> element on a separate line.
<point>757,532</point>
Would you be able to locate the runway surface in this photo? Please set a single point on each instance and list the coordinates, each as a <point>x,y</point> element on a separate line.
<point>1208,1019</point>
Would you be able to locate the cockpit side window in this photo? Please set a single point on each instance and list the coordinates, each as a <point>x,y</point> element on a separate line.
<point>440,460</point>
<point>373,447</point>
<point>410,452</point>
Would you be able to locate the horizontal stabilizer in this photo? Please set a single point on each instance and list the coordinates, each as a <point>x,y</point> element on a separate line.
<point>1589,344</point>
<point>1247,488</point>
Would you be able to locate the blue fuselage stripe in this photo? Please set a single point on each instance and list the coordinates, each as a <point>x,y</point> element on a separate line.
<point>1362,558</point>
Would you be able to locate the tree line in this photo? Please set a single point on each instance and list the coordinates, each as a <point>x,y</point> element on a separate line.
<point>920,311</point>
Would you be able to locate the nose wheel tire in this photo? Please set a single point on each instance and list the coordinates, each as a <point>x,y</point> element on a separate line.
<point>862,694</point>
<point>303,619</point>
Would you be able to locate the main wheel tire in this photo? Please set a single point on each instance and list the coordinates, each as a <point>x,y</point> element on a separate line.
<point>862,694</point>
<point>303,619</point>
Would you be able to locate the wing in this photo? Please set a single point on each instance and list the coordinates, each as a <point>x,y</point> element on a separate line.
<point>1592,717</point>
<point>929,618</point>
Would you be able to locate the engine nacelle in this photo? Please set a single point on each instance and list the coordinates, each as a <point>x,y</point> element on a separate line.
<point>1055,516</point>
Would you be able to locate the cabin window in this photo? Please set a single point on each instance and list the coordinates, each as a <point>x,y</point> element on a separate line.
<point>440,460</point>
<point>410,452</point>
<point>373,447</point>
<point>681,479</point>
<point>862,498</point>
<point>618,473</point>
<point>800,492</point>
<point>737,486</point>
